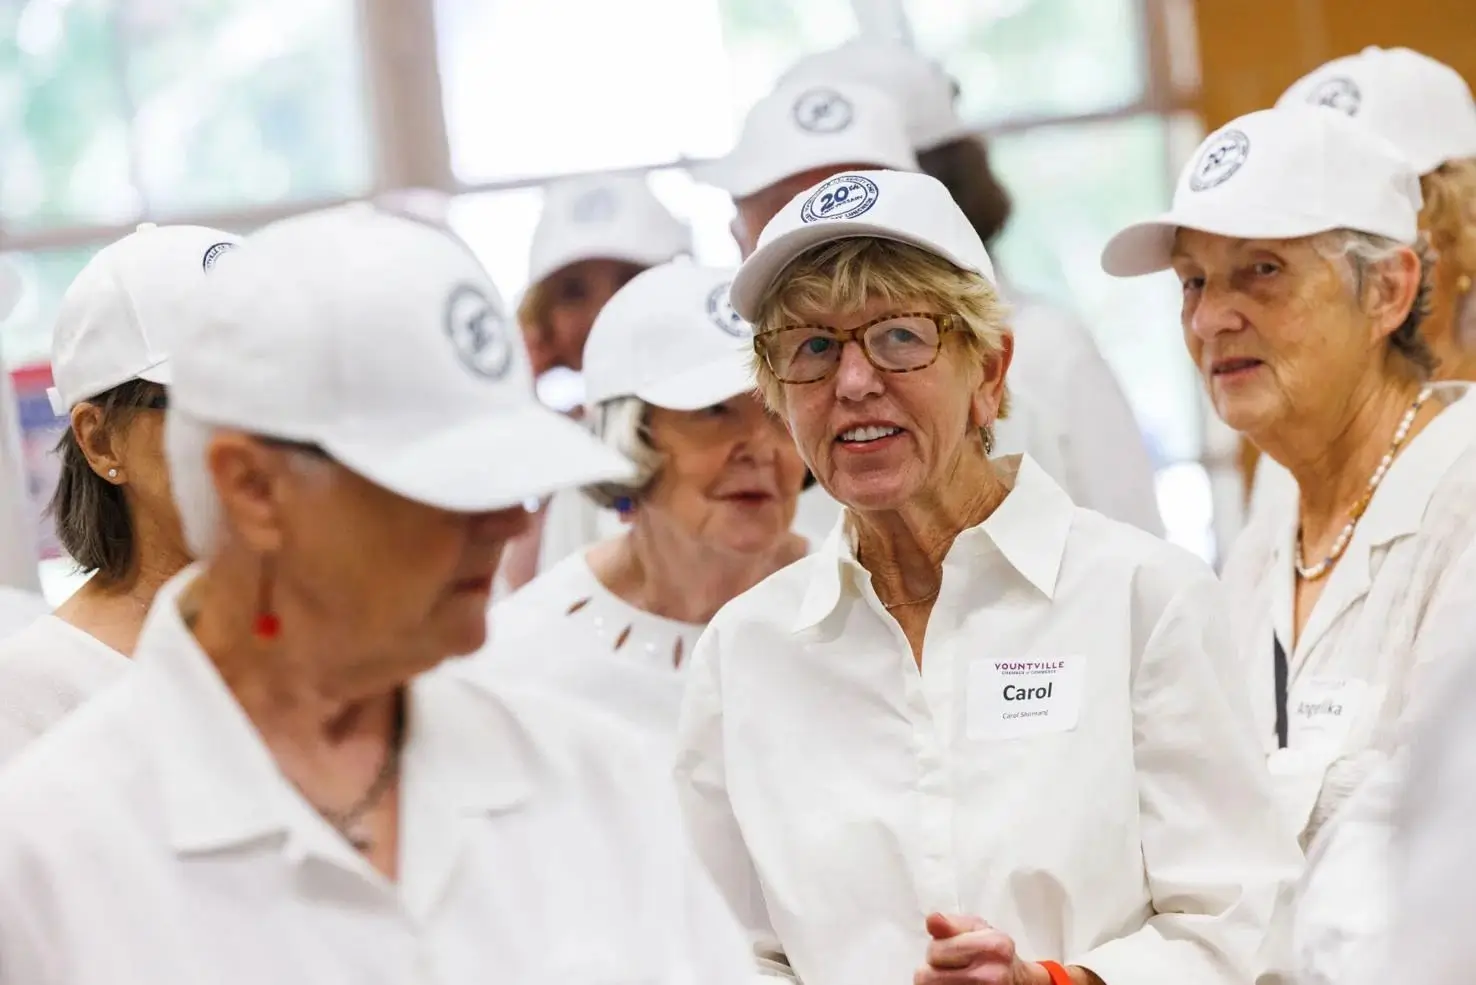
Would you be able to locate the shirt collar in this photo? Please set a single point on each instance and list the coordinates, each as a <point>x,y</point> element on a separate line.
<point>1029,528</point>
<point>221,787</point>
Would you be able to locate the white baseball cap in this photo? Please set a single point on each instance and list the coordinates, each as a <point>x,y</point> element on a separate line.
<point>120,317</point>
<point>1419,105</point>
<point>604,217</point>
<point>671,338</point>
<point>1279,174</point>
<point>926,93</point>
<point>804,125</point>
<point>382,341</point>
<point>897,205</point>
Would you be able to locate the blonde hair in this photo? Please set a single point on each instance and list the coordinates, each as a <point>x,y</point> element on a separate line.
<point>1449,215</point>
<point>533,307</point>
<point>847,274</point>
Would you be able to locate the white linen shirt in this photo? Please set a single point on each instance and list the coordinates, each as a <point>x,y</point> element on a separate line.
<point>1122,821</point>
<point>151,840</point>
<point>47,670</point>
<point>1363,649</point>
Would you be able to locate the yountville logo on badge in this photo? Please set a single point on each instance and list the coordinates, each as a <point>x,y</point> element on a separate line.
<point>823,111</point>
<point>845,196</point>
<point>1221,158</point>
<point>1340,93</point>
<point>720,311</point>
<point>478,332</point>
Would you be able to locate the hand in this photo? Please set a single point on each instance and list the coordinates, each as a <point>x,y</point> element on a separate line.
<point>967,951</point>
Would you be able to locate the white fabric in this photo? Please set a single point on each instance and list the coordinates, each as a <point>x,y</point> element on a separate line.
<point>896,205</point>
<point>122,316</point>
<point>924,91</point>
<point>567,631</point>
<point>152,840</point>
<point>1359,878</point>
<point>1363,650</point>
<point>604,217</point>
<point>802,125</point>
<point>670,337</point>
<point>1124,823</point>
<point>18,609</point>
<point>18,540</point>
<point>381,340</point>
<point>1421,106</point>
<point>47,670</point>
<point>1070,415</point>
<point>1279,174</point>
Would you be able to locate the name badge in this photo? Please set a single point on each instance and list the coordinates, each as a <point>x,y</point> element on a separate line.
<point>1321,711</point>
<point>1013,698</point>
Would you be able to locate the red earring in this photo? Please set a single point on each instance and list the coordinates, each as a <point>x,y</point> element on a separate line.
<point>266,626</point>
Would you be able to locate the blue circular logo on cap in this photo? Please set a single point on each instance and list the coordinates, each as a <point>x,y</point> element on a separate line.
<point>843,197</point>
<point>1340,93</point>
<point>720,312</point>
<point>214,253</point>
<point>823,111</point>
<point>1221,158</point>
<point>478,332</point>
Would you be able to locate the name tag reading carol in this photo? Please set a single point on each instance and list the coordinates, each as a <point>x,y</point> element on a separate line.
<point>1012,698</point>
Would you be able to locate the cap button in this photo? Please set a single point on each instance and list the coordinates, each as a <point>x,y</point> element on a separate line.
<point>145,226</point>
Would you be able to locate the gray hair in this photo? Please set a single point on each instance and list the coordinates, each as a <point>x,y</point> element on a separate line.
<point>621,424</point>
<point>1360,253</point>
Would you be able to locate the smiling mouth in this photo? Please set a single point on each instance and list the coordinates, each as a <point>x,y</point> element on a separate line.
<point>866,435</point>
<point>1228,366</point>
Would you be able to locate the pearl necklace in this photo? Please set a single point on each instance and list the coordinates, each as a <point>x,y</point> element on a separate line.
<point>1356,513</point>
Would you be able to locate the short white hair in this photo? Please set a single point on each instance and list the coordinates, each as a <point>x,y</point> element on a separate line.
<point>620,423</point>
<point>186,441</point>
<point>1359,253</point>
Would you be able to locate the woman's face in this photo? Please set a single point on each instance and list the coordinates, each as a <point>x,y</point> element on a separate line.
<point>877,440</point>
<point>731,475</point>
<point>577,293</point>
<point>1274,329</point>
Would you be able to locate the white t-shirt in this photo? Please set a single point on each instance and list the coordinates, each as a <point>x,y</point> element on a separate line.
<point>151,839</point>
<point>46,671</point>
<point>567,630</point>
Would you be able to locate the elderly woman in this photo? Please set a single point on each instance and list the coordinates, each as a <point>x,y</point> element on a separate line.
<point>708,517</point>
<point>1294,233</point>
<point>978,714</point>
<point>279,792</point>
<point>1425,110</point>
<point>112,506</point>
<point>593,236</point>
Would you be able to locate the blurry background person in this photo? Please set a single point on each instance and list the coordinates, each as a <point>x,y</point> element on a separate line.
<point>279,791</point>
<point>593,235</point>
<point>113,509</point>
<point>1425,109</point>
<point>1067,408</point>
<point>970,652</point>
<point>1294,235</point>
<point>20,602</point>
<point>668,374</point>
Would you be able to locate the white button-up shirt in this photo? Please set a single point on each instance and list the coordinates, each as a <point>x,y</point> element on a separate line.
<point>47,670</point>
<point>1363,649</point>
<point>1071,763</point>
<point>151,840</point>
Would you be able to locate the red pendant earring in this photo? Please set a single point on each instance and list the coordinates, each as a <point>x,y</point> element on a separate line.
<point>266,626</point>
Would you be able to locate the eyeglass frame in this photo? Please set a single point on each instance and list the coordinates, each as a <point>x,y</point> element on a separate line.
<point>943,323</point>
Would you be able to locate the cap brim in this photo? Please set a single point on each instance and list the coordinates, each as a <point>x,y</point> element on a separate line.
<point>1148,247</point>
<point>759,271</point>
<point>625,253</point>
<point>745,176</point>
<point>160,373</point>
<point>490,463</point>
<point>702,386</point>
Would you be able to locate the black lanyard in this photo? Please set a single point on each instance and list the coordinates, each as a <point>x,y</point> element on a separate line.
<point>1281,673</point>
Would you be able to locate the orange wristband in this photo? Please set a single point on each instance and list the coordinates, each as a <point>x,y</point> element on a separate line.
<point>1059,975</point>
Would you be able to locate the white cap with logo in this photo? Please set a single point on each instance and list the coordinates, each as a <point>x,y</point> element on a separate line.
<point>1421,106</point>
<point>804,125</point>
<point>925,92</point>
<point>895,205</point>
<point>671,338</point>
<point>121,316</point>
<point>604,217</point>
<point>382,341</point>
<point>1279,174</point>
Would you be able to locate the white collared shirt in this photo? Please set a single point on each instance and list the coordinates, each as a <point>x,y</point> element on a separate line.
<point>1363,649</point>
<point>151,840</point>
<point>47,670</point>
<point>566,631</point>
<point>1071,763</point>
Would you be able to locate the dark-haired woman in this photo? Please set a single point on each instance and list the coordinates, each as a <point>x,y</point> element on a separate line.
<point>112,507</point>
